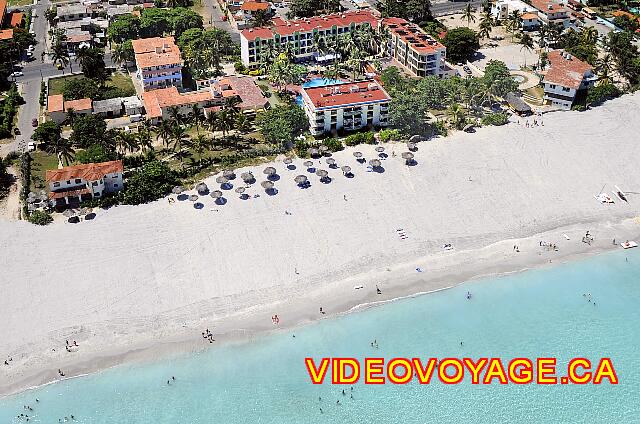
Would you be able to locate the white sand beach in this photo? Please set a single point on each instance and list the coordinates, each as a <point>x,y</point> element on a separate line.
<point>139,281</point>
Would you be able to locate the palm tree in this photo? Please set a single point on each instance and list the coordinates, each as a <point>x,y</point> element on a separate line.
<point>469,14</point>
<point>456,115</point>
<point>175,115</point>
<point>179,138</point>
<point>226,122</point>
<point>61,147</point>
<point>83,58</point>
<point>199,144</point>
<point>242,123</point>
<point>514,22</point>
<point>143,137</point>
<point>126,141</point>
<point>212,123</point>
<point>196,116</point>
<point>526,42</point>
<point>260,18</point>
<point>589,35</point>
<point>486,25</point>
<point>60,55</point>
<point>163,131</point>
<point>604,68</point>
<point>70,116</point>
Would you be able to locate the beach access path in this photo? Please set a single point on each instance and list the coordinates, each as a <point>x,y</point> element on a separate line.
<point>152,278</point>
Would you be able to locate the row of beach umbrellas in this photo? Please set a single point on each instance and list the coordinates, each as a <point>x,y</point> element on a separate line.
<point>301,180</point>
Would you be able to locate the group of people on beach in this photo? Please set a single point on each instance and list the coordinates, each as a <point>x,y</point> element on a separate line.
<point>549,246</point>
<point>537,120</point>
<point>6,361</point>
<point>70,346</point>
<point>275,319</point>
<point>208,335</point>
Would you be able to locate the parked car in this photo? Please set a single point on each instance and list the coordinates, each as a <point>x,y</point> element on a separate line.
<point>31,146</point>
<point>16,131</point>
<point>467,69</point>
<point>17,74</point>
<point>34,122</point>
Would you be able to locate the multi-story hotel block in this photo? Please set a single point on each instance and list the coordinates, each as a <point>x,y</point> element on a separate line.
<point>159,62</point>
<point>416,50</point>
<point>300,34</point>
<point>347,106</point>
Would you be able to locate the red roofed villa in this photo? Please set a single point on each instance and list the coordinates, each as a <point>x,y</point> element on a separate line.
<point>159,62</point>
<point>57,107</point>
<point>347,105</point>
<point>567,79</point>
<point>71,185</point>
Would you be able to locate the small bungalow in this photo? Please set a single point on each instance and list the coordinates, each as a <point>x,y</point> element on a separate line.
<point>517,104</point>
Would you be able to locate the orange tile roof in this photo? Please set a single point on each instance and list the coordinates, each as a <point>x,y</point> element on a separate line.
<point>627,14</point>
<point>77,105</point>
<point>250,94</point>
<point>88,172</point>
<point>546,6</point>
<point>16,19</point>
<point>55,103</point>
<point>253,6</point>
<point>6,34</point>
<point>565,72</point>
<point>529,16</point>
<point>283,27</point>
<point>79,38</point>
<point>156,100</point>
<point>3,10</point>
<point>345,94</point>
<point>413,35</point>
<point>146,55</point>
<point>65,193</point>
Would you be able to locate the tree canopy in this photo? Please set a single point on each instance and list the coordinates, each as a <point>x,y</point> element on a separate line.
<point>461,44</point>
<point>87,130</point>
<point>282,124</point>
<point>153,181</point>
<point>204,49</point>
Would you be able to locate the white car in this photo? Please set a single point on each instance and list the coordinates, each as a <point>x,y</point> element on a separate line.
<point>17,74</point>
<point>31,146</point>
<point>31,48</point>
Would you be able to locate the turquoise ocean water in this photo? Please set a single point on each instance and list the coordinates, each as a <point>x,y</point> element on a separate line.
<point>535,313</point>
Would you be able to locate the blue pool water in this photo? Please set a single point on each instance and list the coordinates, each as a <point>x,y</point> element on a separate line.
<point>536,313</point>
<point>316,82</point>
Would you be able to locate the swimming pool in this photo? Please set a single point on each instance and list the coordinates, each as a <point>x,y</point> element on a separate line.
<point>316,82</point>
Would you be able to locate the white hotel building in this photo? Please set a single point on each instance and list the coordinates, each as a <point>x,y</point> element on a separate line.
<point>567,80</point>
<point>300,34</point>
<point>73,184</point>
<point>346,106</point>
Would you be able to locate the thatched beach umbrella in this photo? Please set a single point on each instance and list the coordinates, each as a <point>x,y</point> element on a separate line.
<point>229,174</point>
<point>202,189</point>
<point>323,148</point>
<point>300,179</point>
<point>379,149</point>
<point>287,161</point>
<point>69,213</point>
<point>412,146</point>
<point>308,163</point>
<point>247,177</point>
<point>346,169</point>
<point>375,163</point>
<point>269,170</point>
<point>267,185</point>
<point>321,173</point>
<point>177,190</point>
<point>407,155</point>
<point>216,194</point>
<point>222,179</point>
<point>239,190</point>
<point>193,197</point>
<point>331,161</point>
<point>313,152</point>
<point>357,154</point>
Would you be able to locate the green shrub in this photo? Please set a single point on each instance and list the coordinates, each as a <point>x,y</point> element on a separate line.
<point>154,180</point>
<point>387,135</point>
<point>333,144</point>
<point>440,128</point>
<point>360,138</point>
<point>40,218</point>
<point>498,118</point>
<point>301,148</point>
<point>600,93</point>
<point>240,68</point>
<point>43,92</point>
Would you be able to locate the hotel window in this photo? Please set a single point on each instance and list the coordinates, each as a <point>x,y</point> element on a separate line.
<point>552,86</point>
<point>566,89</point>
<point>68,181</point>
<point>95,184</point>
<point>56,184</point>
<point>115,186</point>
<point>78,180</point>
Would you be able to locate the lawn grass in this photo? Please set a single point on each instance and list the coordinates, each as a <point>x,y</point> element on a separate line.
<point>117,79</point>
<point>20,2</point>
<point>42,161</point>
<point>536,91</point>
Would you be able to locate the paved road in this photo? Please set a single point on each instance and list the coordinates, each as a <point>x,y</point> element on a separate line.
<point>214,18</point>
<point>34,72</point>
<point>446,7</point>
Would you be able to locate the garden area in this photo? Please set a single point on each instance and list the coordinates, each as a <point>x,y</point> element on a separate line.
<point>77,86</point>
